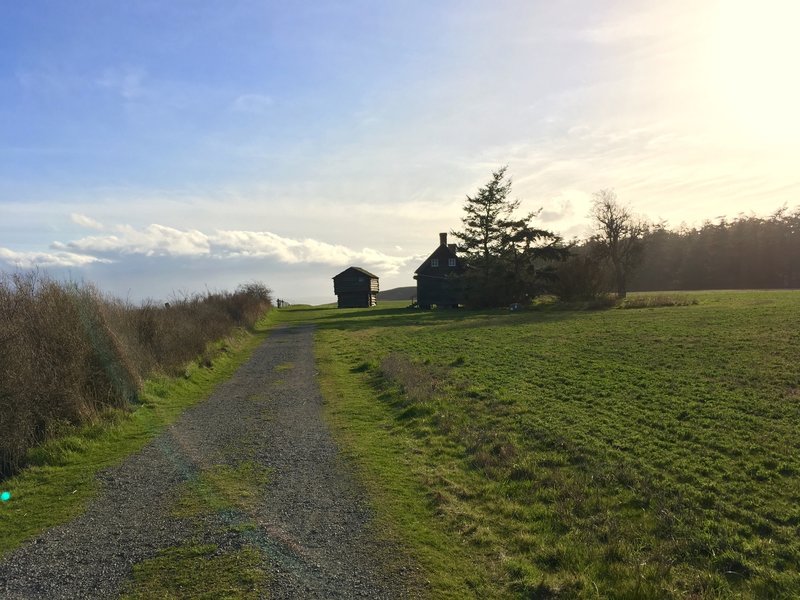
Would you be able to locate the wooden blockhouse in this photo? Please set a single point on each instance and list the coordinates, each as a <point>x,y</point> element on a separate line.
<point>356,288</point>
<point>437,278</point>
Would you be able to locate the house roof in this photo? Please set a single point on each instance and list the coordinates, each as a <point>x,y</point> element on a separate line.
<point>360,270</point>
<point>441,252</point>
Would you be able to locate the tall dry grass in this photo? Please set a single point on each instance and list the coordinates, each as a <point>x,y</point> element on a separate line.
<point>67,352</point>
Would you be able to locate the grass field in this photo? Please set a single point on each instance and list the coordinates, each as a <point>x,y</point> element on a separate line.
<point>552,453</point>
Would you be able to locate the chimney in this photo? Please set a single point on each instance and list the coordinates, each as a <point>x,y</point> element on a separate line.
<point>452,248</point>
<point>443,239</point>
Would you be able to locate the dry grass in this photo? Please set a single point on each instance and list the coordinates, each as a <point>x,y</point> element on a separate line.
<point>419,382</point>
<point>67,352</point>
<point>657,300</point>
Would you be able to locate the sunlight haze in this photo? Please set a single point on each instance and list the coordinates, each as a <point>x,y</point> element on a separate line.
<point>164,147</point>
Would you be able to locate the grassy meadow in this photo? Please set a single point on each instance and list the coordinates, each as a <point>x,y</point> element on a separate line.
<point>644,452</point>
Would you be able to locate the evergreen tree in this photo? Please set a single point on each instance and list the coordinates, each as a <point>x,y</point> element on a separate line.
<point>507,258</point>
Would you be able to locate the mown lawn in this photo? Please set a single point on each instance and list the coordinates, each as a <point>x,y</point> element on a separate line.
<point>637,453</point>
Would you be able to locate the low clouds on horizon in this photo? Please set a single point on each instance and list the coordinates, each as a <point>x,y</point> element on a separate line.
<point>114,243</point>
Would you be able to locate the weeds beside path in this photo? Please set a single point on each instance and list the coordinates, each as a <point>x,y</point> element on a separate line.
<point>244,496</point>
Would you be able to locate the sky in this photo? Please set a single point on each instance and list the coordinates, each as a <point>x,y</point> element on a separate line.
<point>160,148</point>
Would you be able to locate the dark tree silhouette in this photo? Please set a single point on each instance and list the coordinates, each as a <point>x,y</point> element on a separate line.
<point>507,257</point>
<point>618,236</point>
<point>747,252</point>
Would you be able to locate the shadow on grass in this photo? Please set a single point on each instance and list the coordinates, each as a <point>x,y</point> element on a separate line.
<point>354,319</point>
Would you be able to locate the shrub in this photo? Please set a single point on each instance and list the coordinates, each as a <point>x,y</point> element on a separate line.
<point>67,353</point>
<point>655,300</point>
<point>580,277</point>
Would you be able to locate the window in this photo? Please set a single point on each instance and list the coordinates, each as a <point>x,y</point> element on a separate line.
<point>434,262</point>
<point>451,262</point>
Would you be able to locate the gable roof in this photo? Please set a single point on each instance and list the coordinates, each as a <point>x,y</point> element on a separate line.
<point>360,270</point>
<point>441,253</point>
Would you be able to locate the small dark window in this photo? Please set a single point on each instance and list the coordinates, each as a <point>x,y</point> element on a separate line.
<point>451,262</point>
<point>434,262</point>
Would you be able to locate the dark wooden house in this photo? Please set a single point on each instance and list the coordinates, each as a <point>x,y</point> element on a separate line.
<point>356,288</point>
<point>437,278</point>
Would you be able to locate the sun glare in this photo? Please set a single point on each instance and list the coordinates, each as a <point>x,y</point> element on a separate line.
<point>756,55</point>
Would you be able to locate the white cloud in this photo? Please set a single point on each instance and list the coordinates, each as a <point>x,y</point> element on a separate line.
<point>127,82</point>
<point>564,210</point>
<point>252,103</point>
<point>159,240</point>
<point>293,251</point>
<point>27,260</point>
<point>153,240</point>
<point>85,221</point>
<point>48,80</point>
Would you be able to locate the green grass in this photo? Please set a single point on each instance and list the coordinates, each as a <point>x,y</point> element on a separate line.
<point>198,571</point>
<point>390,465</point>
<point>220,488</point>
<point>61,478</point>
<point>217,502</point>
<point>553,453</point>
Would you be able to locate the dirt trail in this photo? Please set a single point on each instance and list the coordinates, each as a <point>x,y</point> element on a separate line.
<point>313,522</point>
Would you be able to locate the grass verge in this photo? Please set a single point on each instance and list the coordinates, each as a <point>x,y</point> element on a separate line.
<point>389,467</point>
<point>61,478</point>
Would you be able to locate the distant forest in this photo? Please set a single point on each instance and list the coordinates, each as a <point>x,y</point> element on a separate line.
<point>747,252</point>
<point>743,253</point>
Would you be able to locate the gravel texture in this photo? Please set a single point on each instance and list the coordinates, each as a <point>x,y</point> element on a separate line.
<point>313,520</point>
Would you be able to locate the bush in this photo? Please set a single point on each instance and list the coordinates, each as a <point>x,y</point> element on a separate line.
<point>581,277</point>
<point>67,353</point>
<point>655,300</point>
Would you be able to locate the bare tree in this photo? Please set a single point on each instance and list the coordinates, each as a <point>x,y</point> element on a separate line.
<point>618,234</point>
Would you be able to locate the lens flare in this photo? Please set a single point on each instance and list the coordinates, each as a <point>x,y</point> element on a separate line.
<point>5,496</point>
<point>756,48</point>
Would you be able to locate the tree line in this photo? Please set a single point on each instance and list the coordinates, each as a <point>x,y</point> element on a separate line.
<point>744,253</point>
<point>510,260</point>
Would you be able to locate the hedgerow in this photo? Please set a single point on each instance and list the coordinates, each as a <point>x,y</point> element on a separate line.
<point>68,352</point>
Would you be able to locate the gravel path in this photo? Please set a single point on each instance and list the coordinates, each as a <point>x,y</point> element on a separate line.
<point>313,519</point>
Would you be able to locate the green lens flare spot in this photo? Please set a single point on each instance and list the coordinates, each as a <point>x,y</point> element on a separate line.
<point>5,496</point>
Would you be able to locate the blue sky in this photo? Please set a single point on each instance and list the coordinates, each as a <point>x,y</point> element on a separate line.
<point>156,147</point>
